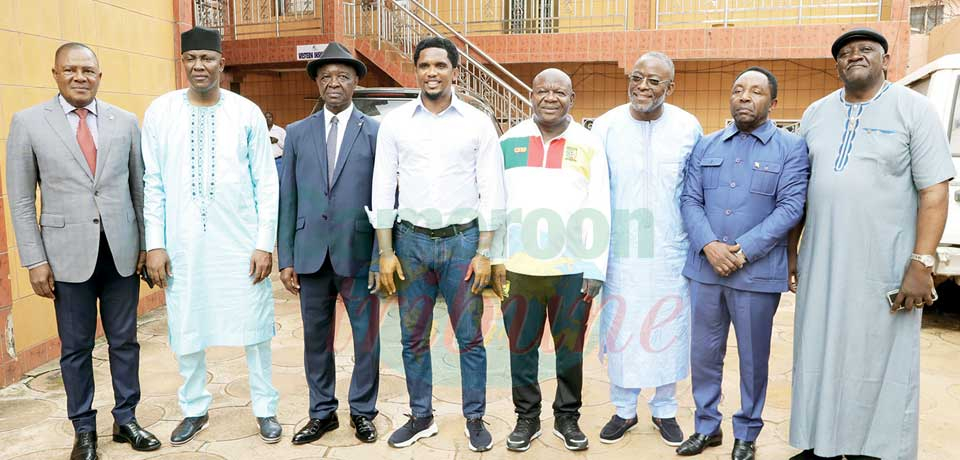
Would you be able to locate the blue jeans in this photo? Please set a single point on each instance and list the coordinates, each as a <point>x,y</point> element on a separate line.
<point>433,265</point>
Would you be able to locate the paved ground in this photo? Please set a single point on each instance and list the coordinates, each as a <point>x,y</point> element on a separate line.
<point>33,422</point>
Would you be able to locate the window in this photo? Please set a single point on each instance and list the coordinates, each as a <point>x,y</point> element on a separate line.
<point>296,7</point>
<point>924,18</point>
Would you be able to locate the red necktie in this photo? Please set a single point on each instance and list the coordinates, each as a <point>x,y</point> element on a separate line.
<point>85,139</point>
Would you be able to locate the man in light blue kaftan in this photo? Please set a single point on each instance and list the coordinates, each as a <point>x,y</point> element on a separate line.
<point>211,197</point>
<point>645,321</point>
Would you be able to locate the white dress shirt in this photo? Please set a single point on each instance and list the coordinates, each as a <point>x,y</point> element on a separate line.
<point>343,118</point>
<point>74,119</point>
<point>281,135</point>
<point>448,168</point>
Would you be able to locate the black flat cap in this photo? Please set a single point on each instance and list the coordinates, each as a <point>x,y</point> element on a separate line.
<point>335,53</point>
<point>200,38</point>
<point>862,33</point>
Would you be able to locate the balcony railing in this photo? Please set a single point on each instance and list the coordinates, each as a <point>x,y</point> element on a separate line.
<point>477,17</point>
<point>395,26</point>
<point>685,14</point>
<point>239,19</point>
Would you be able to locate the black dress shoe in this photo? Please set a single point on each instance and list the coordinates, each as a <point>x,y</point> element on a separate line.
<point>315,428</point>
<point>140,439</point>
<point>85,446</point>
<point>188,429</point>
<point>363,427</point>
<point>743,450</point>
<point>697,442</point>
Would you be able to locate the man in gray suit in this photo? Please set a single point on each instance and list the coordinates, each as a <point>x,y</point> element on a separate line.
<point>85,156</point>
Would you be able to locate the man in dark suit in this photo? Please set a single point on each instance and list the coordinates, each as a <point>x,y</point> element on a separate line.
<point>89,244</point>
<point>326,242</point>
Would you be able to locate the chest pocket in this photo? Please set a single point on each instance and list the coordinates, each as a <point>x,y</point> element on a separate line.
<point>710,170</point>
<point>764,177</point>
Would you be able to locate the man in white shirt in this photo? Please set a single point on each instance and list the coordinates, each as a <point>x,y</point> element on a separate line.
<point>443,156</point>
<point>555,266</point>
<point>277,136</point>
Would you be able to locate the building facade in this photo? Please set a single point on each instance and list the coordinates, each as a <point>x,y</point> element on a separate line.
<point>136,42</point>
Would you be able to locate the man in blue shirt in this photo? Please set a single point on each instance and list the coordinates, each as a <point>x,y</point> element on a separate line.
<point>744,189</point>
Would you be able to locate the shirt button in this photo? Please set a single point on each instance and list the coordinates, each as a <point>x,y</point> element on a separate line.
<point>96,193</point>
<point>96,221</point>
<point>739,160</point>
<point>324,217</point>
<point>733,185</point>
<point>724,239</point>
<point>728,212</point>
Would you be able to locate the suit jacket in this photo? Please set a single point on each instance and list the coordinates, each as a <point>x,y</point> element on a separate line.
<point>747,189</point>
<point>317,221</point>
<point>76,202</point>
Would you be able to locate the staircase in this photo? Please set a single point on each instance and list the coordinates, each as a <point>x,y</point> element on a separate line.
<point>388,32</point>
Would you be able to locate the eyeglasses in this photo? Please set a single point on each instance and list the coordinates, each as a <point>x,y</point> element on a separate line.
<point>636,79</point>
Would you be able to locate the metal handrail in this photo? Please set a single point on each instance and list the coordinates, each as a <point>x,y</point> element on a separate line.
<point>465,41</point>
<point>402,29</point>
<point>729,12</point>
<point>254,15</point>
<point>477,17</point>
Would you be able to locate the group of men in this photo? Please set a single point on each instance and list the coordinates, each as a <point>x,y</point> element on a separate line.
<point>685,233</point>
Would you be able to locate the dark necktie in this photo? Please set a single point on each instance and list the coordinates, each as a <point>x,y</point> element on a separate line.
<point>85,139</point>
<point>331,151</point>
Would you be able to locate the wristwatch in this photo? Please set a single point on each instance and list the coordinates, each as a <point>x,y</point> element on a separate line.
<point>483,252</point>
<point>925,259</point>
<point>741,254</point>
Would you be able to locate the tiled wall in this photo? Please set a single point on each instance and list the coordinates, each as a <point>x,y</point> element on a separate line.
<point>135,42</point>
<point>798,43</point>
<point>702,87</point>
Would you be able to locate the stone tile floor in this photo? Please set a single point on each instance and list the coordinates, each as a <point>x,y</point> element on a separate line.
<point>33,422</point>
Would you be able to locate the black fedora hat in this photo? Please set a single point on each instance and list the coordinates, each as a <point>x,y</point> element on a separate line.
<point>862,33</point>
<point>335,53</point>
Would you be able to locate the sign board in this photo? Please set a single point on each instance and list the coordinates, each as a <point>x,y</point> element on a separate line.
<point>310,52</point>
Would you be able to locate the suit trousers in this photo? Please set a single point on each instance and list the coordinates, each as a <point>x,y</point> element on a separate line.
<point>531,300</point>
<point>76,312</point>
<point>195,399</point>
<point>713,308</point>
<point>318,297</point>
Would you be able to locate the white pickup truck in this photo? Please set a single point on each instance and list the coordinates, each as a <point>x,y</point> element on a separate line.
<point>940,81</point>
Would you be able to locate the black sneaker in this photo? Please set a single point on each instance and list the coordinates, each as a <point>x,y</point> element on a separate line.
<point>614,430</point>
<point>414,429</point>
<point>567,429</point>
<point>480,439</point>
<point>526,431</point>
<point>669,430</point>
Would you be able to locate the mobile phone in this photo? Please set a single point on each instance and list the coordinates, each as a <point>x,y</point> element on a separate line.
<point>146,278</point>
<point>892,297</point>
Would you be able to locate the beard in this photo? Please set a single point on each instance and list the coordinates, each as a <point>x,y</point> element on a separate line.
<point>649,107</point>
<point>432,96</point>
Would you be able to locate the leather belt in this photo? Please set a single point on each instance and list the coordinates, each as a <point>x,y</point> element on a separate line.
<point>445,232</point>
